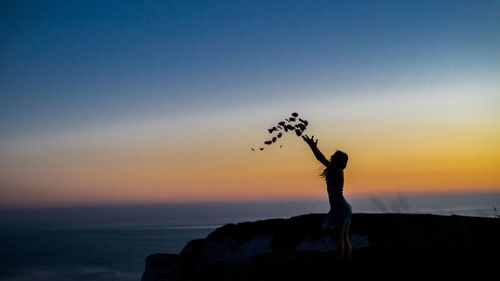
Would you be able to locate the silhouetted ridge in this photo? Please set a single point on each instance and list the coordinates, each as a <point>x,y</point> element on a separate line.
<point>384,245</point>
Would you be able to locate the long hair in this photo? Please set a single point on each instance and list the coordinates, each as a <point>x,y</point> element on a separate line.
<point>339,160</point>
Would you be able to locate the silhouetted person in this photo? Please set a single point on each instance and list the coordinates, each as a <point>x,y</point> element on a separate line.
<point>339,216</point>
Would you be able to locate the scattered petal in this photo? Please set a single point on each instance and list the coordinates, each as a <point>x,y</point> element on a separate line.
<point>290,124</point>
<point>272,130</point>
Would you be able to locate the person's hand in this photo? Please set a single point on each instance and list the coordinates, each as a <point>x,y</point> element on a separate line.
<point>310,140</point>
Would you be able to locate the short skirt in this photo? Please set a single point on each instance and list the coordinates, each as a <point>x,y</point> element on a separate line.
<point>339,216</point>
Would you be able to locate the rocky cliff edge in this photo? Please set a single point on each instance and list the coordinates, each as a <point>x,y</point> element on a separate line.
<point>298,249</point>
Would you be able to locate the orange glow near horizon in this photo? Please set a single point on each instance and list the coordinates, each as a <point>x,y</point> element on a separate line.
<point>162,101</point>
<point>396,151</point>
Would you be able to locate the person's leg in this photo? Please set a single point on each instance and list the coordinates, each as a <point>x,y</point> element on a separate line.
<point>347,243</point>
<point>338,236</point>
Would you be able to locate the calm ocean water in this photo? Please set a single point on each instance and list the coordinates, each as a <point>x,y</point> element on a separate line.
<point>110,243</point>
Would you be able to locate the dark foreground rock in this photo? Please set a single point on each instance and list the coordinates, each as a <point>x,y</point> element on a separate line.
<point>401,245</point>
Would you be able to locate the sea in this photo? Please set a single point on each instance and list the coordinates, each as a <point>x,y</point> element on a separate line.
<point>101,243</point>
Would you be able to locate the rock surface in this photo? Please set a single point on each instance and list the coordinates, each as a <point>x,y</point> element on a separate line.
<point>298,249</point>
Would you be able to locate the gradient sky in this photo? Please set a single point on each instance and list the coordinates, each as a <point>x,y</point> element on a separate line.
<point>126,101</point>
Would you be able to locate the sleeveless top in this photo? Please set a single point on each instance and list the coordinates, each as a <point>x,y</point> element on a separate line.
<point>340,210</point>
<point>335,187</point>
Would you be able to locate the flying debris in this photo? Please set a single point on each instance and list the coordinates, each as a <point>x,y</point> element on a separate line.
<point>272,130</point>
<point>302,127</point>
<point>294,123</point>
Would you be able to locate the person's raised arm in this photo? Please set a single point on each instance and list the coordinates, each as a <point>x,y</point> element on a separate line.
<point>313,144</point>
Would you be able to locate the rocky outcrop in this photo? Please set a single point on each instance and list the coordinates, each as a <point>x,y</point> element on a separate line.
<point>158,266</point>
<point>298,249</point>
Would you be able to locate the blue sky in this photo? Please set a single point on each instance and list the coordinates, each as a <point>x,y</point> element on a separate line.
<point>67,64</point>
<point>146,101</point>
